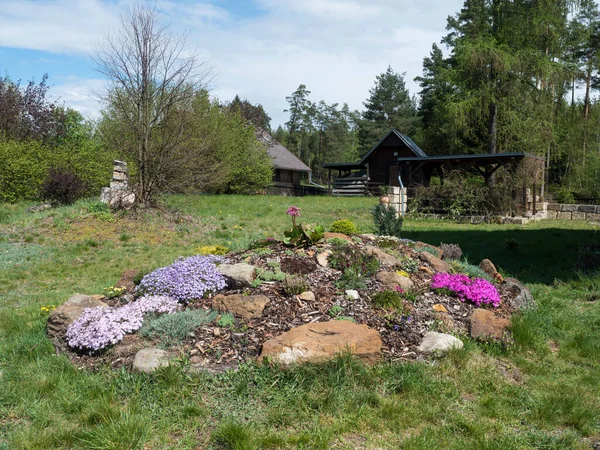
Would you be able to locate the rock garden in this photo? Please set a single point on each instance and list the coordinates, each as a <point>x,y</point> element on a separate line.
<point>303,298</point>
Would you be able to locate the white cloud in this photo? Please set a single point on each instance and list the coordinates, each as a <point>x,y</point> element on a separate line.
<point>335,47</point>
<point>79,94</point>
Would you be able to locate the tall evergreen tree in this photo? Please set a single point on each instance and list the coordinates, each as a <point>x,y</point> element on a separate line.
<point>389,106</point>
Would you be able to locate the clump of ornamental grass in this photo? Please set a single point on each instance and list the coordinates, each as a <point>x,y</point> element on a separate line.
<point>171,329</point>
<point>477,291</point>
<point>186,279</point>
<point>98,328</point>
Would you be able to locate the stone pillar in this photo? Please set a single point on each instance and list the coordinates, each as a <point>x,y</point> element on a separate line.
<point>118,195</point>
<point>399,199</point>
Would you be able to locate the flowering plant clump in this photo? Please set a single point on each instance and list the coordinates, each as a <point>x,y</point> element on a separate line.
<point>100,327</point>
<point>186,279</point>
<point>478,291</point>
<point>114,291</point>
<point>301,236</point>
<point>293,212</point>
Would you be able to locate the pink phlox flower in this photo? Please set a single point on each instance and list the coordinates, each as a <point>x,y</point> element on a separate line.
<point>477,291</point>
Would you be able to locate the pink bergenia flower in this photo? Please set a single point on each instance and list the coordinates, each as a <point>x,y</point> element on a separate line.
<point>293,212</point>
<point>477,291</point>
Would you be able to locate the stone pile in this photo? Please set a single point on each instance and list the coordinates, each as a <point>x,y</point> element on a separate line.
<point>118,195</point>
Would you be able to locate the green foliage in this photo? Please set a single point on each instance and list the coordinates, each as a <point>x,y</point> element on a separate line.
<point>386,220</point>
<point>389,300</point>
<point>335,310</point>
<point>351,278</point>
<point>269,275</point>
<point>344,257</point>
<point>27,164</point>
<point>426,248</point>
<point>226,320</point>
<point>344,226</point>
<point>172,329</point>
<point>299,236</point>
<point>409,264</point>
<point>470,270</point>
<point>294,285</point>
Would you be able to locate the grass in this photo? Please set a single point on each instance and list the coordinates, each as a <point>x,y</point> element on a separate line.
<point>542,392</point>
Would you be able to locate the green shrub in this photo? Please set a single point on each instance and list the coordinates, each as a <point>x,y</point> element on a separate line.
<point>171,329</point>
<point>389,300</point>
<point>470,270</point>
<point>293,285</point>
<point>226,320</point>
<point>386,220</point>
<point>344,226</point>
<point>409,264</point>
<point>344,257</point>
<point>352,278</point>
<point>426,248</point>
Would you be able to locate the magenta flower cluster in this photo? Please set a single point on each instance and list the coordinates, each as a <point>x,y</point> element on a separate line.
<point>186,279</point>
<point>294,211</point>
<point>100,327</point>
<point>477,291</point>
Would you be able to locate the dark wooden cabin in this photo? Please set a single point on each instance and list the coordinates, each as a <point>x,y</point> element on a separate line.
<point>396,160</point>
<point>288,168</point>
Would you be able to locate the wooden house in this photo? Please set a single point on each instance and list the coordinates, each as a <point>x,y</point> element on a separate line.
<point>288,168</point>
<point>397,161</point>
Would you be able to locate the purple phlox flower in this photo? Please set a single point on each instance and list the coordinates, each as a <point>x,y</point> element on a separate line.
<point>100,327</point>
<point>186,279</point>
<point>399,289</point>
<point>477,291</point>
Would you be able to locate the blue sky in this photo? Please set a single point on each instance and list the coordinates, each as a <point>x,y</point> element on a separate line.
<point>259,49</point>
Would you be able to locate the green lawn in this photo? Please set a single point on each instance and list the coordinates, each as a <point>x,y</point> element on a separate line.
<point>543,392</point>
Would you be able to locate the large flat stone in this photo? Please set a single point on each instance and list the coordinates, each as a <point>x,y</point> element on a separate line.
<point>148,360</point>
<point>63,316</point>
<point>383,257</point>
<point>391,280</point>
<point>238,275</point>
<point>439,342</point>
<point>316,342</point>
<point>435,262</point>
<point>244,306</point>
<point>486,324</point>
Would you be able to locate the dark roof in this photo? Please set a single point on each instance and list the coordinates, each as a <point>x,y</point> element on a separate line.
<point>342,166</point>
<point>419,153</point>
<point>282,157</point>
<point>482,156</point>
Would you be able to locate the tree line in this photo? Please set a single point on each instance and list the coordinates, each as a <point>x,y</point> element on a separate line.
<point>515,76</point>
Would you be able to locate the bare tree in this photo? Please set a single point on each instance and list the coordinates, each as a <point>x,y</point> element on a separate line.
<point>152,80</point>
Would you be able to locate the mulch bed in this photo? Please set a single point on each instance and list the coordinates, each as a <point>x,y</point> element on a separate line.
<point>215,348</point>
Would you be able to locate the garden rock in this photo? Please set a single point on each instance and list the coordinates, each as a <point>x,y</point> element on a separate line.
<point>435,262</point>
<point>315,342</point>
<point>486,324</point>
<point>352,294</point>
<point>439,342</point>
<point>439,253</point>
<point>446,321</point>
<point>438,307</point>
<point>63,316</point>
<point>244,306</point>
<point>382,256</point>
<point>238,275</point>
<point>329,235</point>
<point>488,267</point>
<point>391,280</point>
<point>323,258</point>
<point>307,296</point>
<point>148,360</point>
<point>522,295</point>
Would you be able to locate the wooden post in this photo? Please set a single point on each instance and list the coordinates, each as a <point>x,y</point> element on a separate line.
<point>534,196</point>
<point>330,187</point>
